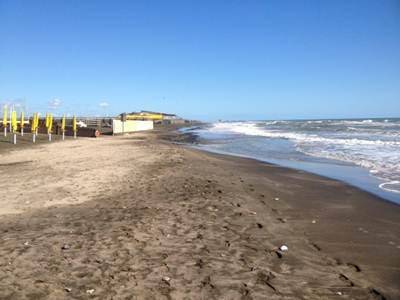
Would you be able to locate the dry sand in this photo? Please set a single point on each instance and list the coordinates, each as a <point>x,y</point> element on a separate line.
<point>140,217</point>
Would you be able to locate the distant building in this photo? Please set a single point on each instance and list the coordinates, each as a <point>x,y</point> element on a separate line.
<point>164,116</point>
<point>156,117</point>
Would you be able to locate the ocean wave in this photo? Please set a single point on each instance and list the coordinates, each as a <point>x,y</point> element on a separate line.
<point>251,128</point>
<point>379,153</point>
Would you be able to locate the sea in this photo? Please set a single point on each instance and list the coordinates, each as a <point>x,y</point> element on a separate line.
<point>361,152</point>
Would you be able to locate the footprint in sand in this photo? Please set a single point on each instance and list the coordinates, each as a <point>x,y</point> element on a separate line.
<point>318,248</point>
<point>265,278</point>
<point>199,263</point>
<point>377,294</point>
<point>345,279</point>
<point>207,282</point>
<point>274,252</point>
<point>354,267</point>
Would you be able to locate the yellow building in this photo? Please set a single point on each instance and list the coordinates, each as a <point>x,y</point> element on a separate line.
<point>150,115</point>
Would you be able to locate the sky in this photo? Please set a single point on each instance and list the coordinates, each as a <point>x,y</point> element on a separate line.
<point>207,60</point>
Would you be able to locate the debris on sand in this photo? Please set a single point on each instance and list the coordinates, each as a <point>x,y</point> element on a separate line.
<point>167,280</point>
<point>284,248</point>
<point>90,292</point>
<point>65,247</point>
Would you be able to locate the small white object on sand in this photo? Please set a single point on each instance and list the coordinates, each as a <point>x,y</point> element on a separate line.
<point>90,292</point>
<point>276,199</point>
<point>313,221</point>
<point>166,279</point>
<point>283,248</point>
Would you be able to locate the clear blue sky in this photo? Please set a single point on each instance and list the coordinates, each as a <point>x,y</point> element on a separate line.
<point>203,59</point>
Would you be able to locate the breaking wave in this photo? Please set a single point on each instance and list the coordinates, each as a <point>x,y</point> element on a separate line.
<point>372,144</point>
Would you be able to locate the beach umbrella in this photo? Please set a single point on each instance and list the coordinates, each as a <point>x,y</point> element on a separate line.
<point>47,120</point>
<point>5,119</point>
<point>14,122</point>
<point>63,127</point>
<point>32,121</point>
<point>74,126</point>
<point>14,125</point>
<point>22,123</point>
<point>49,125</point>
<point>37,123</point>
<point>34,126</point>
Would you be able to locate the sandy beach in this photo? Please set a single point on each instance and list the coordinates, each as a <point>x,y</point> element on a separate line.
<point>142,217</point>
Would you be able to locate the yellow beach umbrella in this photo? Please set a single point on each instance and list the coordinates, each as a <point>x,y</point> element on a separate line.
<point>63,127</point>
<point>47,120</point>
<point>63,123</point>
<point>50,124</point>
<point>35,122</point>
<point>34,126</point>
<point>14,123</point>
<point>22,122</point>
<point>74,125</point>
<point>5,116</point>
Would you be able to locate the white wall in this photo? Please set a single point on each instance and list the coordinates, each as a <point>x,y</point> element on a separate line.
<point>131,126</point>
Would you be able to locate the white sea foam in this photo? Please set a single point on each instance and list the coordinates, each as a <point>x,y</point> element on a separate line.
<point>250,128</point>
<point>376,149</point>
<point>394,189</point>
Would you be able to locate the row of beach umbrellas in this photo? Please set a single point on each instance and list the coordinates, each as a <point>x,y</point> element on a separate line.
<point>34,122</point>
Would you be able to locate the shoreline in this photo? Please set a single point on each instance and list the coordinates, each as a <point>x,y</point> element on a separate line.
<point>376,195</point>
<point>372,205</point>
<point>332,170</point>
<point>148,218</point>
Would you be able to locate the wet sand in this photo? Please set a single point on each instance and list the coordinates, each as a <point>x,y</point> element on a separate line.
<point>141,217</point>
